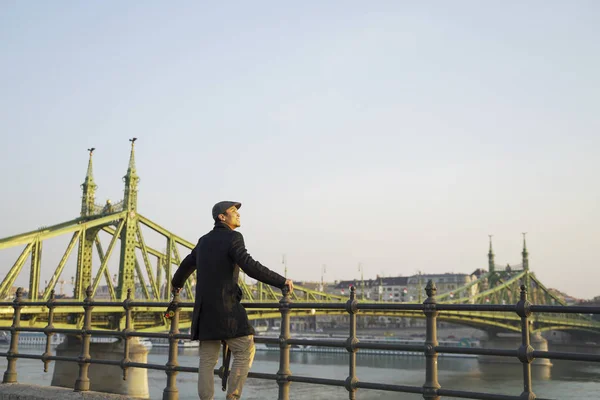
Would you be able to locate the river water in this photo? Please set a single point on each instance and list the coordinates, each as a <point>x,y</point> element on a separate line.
<point>564,380</point>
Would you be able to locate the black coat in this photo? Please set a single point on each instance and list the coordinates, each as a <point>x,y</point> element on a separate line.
<point>217,258</point>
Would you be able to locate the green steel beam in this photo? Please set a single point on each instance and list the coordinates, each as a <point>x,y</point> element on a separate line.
<point>60,229</point>
<point>465,288</point>
<point>493,290</point>
<point>127,259</point>
<point>9,279</point>
<point>176,256</point>
<point>28,237</point>
<point>78,291</point>
<point>104,264</point>
<point>61,265</point>
<point>246,292</point>
<point>140,276</point>
<point>157,228</point>
<point>147,261</point>
<point>34,276</point>
<point>84,261</point>
<point>150,250</point>
<point>168,262</point>
<point>159,269</point>
<point>107,277</point>
<point>536,280</point>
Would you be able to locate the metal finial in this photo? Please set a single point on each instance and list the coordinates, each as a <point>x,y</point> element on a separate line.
<point>52,294</point>
<point>524,241</point>
<point>490,236</point>
<point>91,150</point>
<point>88,292</point>
<point>430,289</point>
<point>523,292</point>
<point>352,292</point>
<point>19,292</point>
<point>128,293</point>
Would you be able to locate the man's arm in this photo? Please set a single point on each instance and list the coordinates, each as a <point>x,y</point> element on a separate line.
<point>187,266</point>
<point>253,268</point>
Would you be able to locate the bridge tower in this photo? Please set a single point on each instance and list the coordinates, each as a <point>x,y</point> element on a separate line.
<point>86,238</point>
<point>89,189</point>
<point>493,277</point>
<point>491,265</point>
<point>525,254</point>
<point>527,277</point>
<point>127,262</point>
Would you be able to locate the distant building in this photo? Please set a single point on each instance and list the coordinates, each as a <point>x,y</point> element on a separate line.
<point>445,283</point>
<point>379,289</point>
<point>402,288</point>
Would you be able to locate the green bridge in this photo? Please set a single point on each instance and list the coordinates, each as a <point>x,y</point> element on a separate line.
<point>152,268</point>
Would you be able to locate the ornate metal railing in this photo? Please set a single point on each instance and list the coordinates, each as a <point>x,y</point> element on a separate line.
<point>431,388</point>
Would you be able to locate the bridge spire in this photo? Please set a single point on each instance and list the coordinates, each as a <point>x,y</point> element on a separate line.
<point>131,181</point>
<point>525,254</point>
<point>491,265</point>
<point>89,189</point>
<point>127,263</point>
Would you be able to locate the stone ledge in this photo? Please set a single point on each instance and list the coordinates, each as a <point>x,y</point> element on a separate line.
<point>18,391</point>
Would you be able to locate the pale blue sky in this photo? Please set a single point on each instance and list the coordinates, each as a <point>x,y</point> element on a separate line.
<point>397,134</point>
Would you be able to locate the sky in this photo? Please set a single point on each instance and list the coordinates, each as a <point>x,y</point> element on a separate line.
<point>396,135</point>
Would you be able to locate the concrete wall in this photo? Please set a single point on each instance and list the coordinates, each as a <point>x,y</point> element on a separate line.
<point>17,391</point>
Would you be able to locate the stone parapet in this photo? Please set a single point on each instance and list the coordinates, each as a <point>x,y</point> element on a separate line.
<point>104,378</point>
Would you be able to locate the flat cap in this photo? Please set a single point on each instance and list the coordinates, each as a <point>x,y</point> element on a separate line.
<point>223,206</point>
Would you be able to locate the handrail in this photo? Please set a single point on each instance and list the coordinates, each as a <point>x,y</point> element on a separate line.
<point>431,388</point>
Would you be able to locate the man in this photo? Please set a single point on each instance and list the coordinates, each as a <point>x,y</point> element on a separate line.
<point>218,314</point>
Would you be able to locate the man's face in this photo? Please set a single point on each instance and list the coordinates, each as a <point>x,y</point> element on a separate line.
<point>232,217</point>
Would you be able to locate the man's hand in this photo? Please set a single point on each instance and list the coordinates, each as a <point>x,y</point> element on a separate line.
<point>170,311</point>
<point>171,308</point>
<point>290,284</point>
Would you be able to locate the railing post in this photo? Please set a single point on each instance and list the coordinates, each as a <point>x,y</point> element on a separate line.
<point>10,375</point>
<point>284,348</point>
<point>171,392</point>
<point>525,352</point>
<point>82,384</point>
<point>352,380</point>
<point>49,327</point>
<point>128,328</point>
<point>431,385</point>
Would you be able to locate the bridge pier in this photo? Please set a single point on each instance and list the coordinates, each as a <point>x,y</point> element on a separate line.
<point>104,378</point>
<point>510,341</point>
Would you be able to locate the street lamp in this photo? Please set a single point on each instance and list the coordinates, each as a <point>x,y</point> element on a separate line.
<point>362,280</point>
<point>284,262</point>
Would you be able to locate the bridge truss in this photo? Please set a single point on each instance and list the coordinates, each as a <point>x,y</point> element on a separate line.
<point>146,271</point>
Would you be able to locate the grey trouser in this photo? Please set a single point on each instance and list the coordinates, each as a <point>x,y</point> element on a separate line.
<point>242,350</point>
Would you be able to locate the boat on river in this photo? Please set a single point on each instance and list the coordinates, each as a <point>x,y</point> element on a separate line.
<point>164,342</point>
